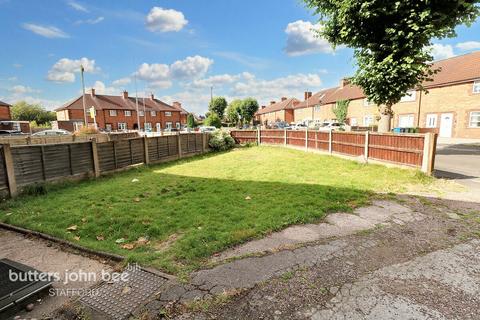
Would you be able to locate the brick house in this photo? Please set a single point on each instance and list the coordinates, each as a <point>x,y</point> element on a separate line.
<point>119,113</point>
<point>5,113</point>
<point>6,122</point>
<point>277,111</point>
<point>451,107</point>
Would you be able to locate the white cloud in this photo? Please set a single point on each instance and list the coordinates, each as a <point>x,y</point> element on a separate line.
<point>165,20</point>
<point>160,75</point>
<point>468,45</point>
<point>301,39</point>
<point>191,67</point>
<point>440,51</point>
<point>246,60</point>
<point>77,6</point>
<point>101,88</point>
<point>45,31</point>
<point>17,65</point>
<point>19,89</point>
<point>64,69</point>
<point>220,80</point>
<point>90,21</point>
<point>121,82</point>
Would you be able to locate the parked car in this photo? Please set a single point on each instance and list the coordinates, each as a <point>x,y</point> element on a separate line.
<point>10,132</point>
<point>52,132</point>
<point>299,126</point>
<point>331,126</point>
<point>207,129</point>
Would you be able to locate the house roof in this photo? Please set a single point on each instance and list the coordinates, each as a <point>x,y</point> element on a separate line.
<point>456,70</point>
<point>108,102</point>
<point>178,106</point>
<point>281,105</point>
<point>4,104</point>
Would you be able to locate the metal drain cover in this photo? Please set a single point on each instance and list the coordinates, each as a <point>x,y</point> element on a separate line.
<point>119,299</point>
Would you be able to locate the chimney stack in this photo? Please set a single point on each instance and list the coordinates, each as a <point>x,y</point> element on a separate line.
<point>125,94</point>
<point>344,82</point>
<point>92,92</point>
<point>284,98</point>
<point>177,104</point>
<point>272,102</point>
<point>308,94</point>
<point>152,96</point>
<point>263,107</point>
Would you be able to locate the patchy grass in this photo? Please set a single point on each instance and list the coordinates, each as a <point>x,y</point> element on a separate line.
<point>179,214</point>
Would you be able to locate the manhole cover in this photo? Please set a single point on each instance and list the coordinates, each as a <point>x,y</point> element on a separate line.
<point>119,299</point>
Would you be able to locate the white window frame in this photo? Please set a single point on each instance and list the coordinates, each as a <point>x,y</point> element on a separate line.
<point>148,126</point>
<point>122,126</point>
<point>158,126</point>
<point>476,86</point>
<point>317,108</point>
<point>352,120</point>
<point>177,125</point>
<point>112,113</point>
<point>368,121</point>
<point>141,114</point>
<point>168,125</point>
<point>410,122</point>
<point>16,126</point>
<point>431,120</point>
<point>128,113</point>
<point>410,96</point>
<point>474,114</point>
<point>168,114</point>
<point>153,113</point>
<point>108,127</point>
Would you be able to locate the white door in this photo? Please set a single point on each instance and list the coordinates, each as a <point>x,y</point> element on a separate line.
<point>158,127</point>
<point>446,125</point>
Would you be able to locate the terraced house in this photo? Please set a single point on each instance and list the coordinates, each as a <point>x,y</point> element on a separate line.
<point>451,107</point>
<point>277,111</point>
<point>119,113</point>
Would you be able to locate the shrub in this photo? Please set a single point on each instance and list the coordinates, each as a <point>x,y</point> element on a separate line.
<point>86,131</point>
<point>221,141</point>
<point>213,120</point>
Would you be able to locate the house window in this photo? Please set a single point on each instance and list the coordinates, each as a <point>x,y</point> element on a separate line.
<point>128,113</point>
<point>406,121</point>
<point>177,125</point>
<point>153,113</point>
<point>169,125</point>
<point>113,113</point>
<point>141,113</point>
<point>368,121</point>
<point>317,108</point>
<point>16,126</point>
<point>476,86</point>
<point>122,126</point>
<point>108,126</point>
<point>431,121</point>
<point>168,114</point>
<point>353,122</point>
<point>148,126</point>
<point>410,96</point>
<point>158,126</point>
<point>474,119</point>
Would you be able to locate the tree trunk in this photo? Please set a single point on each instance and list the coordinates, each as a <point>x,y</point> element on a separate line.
<point>385,118</point>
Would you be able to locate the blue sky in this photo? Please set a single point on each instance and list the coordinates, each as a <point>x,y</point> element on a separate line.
<point>176,49</point>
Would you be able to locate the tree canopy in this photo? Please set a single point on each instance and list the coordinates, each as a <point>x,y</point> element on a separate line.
<point>391,40</point>
<point>213,120</point>
<point>191,121</point>
<point>248,108</point>
<point>233,111</point>
<point>218,106</point>
<point>22,111</point>
<point>340,110</point>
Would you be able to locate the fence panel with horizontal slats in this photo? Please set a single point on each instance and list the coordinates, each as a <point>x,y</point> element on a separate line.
<point>82,160</point>
<point>28,164</point>
<point>244,136</point>
<point>106,156</point>
<point>348,143</point>
<point>272,136</point>
<point>406,149</point>
<point>3,172</point>
<point>296,138</point>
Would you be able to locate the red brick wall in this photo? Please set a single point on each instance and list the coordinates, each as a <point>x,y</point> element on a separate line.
<point>5,113</point>
<point>103,117</point>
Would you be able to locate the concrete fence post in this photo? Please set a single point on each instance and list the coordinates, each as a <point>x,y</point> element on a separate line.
<point>145,150</point>
<point>367,141</point>
<point>10,170</point>
<point>258,137</point>
<point>179,143</point>
<point>429,146</point>
<point>284,137</point>
<point>96,162</point>
<point>306,139</point>
<point>330,141</point>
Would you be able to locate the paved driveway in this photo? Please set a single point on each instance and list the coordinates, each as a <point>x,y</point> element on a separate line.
<point>460,162</point>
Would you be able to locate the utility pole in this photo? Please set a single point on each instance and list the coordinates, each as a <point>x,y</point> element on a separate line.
<point>211,95</point>
<point>83,97</point>
<point>136,103</point>
<point>144,112</point>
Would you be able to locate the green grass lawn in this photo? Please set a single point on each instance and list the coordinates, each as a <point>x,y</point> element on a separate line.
<point>192,208</point>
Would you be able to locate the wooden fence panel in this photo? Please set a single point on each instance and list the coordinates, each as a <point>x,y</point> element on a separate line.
<point>348,143</point>
<point>296,138</point>
<point>172,145</point>
<point>272,136</point>
<point>138,150</point>
<point>28,164</point>
<point>56,161</point>
<point>123,154</point>
<point>155,151</point>
<point>199,142</point>
<point>82,160</point>
<point>406,149</point>
<point>322,139</point>
<point>3,172</point>
<point>106,156</point>
<point>244,136</point>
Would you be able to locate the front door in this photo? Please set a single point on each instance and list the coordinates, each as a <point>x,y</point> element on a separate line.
<point>158,127</point>
<point>446,125</point>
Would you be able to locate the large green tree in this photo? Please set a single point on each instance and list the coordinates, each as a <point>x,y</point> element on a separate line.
<point>248,108</point>
<point>391,40</point>
<point>218,106</point>
<point>22,111</point>
<point>233,111</point>
<point>340,110</point>
<point>191,123</point>
<point>213,120</point>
